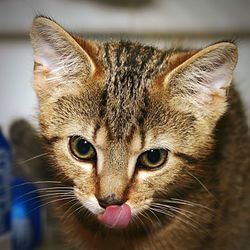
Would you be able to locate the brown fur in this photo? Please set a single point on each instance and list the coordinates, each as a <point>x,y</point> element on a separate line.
<point>126,98</point>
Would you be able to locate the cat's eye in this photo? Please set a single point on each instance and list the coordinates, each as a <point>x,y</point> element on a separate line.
<point>152,159</point>
<point>82,149</point>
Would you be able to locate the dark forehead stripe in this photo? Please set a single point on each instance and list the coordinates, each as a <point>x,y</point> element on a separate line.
<point>187,158</point>
<point>130,68</point>
<point>107,58</point>
<point>103,102</point>
<point>97,127</point>
<point>51,141</point>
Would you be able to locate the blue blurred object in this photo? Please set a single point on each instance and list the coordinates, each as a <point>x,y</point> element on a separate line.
<point>5,159</point>
<point>25,215</point>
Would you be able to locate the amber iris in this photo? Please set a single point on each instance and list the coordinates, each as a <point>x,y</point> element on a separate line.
<point>82,149</point>
<point>152,159</point>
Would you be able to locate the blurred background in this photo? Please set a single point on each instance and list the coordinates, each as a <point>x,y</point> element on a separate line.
<point>191,23</point>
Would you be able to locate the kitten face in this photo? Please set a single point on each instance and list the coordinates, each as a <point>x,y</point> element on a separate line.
<point>146,115</point>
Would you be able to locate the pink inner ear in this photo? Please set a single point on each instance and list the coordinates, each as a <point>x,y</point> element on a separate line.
<point>219,81</point>
<point>47,57</point>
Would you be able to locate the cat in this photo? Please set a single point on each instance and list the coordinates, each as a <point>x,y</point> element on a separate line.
<point>150,147</point>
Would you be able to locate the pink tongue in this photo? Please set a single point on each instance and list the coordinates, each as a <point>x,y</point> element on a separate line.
<point>116,216</point>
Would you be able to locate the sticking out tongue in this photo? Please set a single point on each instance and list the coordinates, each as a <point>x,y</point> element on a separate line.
<point>116,216</point>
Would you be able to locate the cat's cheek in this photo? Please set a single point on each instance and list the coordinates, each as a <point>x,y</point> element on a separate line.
<point>149,183</point>
<point>137,207</point>
<point>88,201</point>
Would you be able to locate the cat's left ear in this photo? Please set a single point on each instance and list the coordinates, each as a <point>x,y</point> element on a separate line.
<point>201,83</point>
<point>59,59</point>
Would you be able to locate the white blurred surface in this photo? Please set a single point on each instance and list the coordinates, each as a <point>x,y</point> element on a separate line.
<point>154,15</point>
<point>17,98</point>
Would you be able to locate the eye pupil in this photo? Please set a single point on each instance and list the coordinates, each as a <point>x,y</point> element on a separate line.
<point>83,146</point>
<point>154,156</point>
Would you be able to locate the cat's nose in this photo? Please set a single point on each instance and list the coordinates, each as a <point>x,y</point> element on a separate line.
<point>110,200</point>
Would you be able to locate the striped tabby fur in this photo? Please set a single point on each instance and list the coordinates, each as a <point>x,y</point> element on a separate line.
<point>126,98</point>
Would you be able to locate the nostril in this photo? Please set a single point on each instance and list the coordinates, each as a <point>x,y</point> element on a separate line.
<point>102,203</point>
<point>108,201</point>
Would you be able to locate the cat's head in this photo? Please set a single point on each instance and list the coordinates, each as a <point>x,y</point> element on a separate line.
<point>127,123</point>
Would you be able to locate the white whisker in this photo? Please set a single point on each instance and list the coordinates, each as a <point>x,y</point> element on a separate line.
<point>35,182</point>
<point>168,213</point>
<point>43,196</point>
<point>32,158</point>
<point>50,202</point>
<point>65,214</point>
<point>200,182</point>
<point>189,203</point>
<point>169,206</point>
<point>75,211</point>
<point>50,189</point>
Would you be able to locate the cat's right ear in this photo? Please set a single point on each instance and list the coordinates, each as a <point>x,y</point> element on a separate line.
<point>201,83</point>
<point>60,62</point>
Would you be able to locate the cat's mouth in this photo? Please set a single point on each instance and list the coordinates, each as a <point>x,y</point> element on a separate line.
<point>112,216</point>
<point>116,216</point>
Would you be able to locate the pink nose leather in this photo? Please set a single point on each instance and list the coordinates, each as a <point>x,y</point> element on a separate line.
<point>116,216</point>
